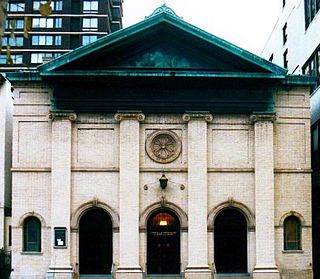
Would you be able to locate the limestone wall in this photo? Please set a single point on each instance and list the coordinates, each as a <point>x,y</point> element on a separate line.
<point>95,176</point>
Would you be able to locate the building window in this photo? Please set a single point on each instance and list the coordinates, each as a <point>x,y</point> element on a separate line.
<point>311,8</point>
<point>36,5</point>
<point>11,59</point>
<point>38,58</point>
<point>3,59</point>
<point>90,24</point>
<point>284,34</point>
<point>88,39</point>
<point>90,6</point>
<point>10,236</point>
<point>318,62</point>
<point>17,41</point>
<point>116,13</point>
<point>46,40</point>
<point>57,22</point>
<point>312,67</point>
<point>306,69</point>
<point>46,22</point>
<point>271,57</point>
<point>55,5</point>
<point>16,7</point>
<point>315,139</point>
<point>292,233</point>
<point>14,24</point>
<point>285,59</point>
<point>32,235</point>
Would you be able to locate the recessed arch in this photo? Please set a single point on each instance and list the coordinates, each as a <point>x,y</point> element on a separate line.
<point>182,216</point>
<point>231,241</point>
<point>248,214</point>
<point>76,216</point>
<point>31,214</point>
<point>95,242</point>
<point>292,233</point>
<point>163,242</point>
<point>32,234</point>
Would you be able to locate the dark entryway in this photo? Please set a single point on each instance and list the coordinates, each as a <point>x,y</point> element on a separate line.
<point>163,243</point>
<point>230,242</point>
<point>95,242</point>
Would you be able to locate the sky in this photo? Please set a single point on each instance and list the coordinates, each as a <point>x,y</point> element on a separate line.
<point>245,23</point>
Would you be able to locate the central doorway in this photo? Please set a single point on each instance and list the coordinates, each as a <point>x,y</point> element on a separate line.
<point>230,242</point>
<point>163,243</point>
<point>95,242</point>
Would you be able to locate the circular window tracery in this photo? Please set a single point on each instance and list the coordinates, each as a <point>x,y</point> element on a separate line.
<point>163,146</point>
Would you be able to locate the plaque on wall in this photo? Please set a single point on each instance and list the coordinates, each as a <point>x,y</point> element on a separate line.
<point>60,237</point>
<point>163,146</point>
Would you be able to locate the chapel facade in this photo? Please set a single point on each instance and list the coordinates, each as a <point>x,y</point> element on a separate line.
<point>157,150</point>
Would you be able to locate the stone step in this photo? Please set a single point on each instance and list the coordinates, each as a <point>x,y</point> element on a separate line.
<point>93,277</point>
<point>169,276</point>
<point>146,277</point>
<point>220,276</point>
<point>233,277</point>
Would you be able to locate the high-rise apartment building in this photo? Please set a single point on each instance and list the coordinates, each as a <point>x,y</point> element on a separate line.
<point>71,24</point>
<point>295,45</point>
<point>295,40</point>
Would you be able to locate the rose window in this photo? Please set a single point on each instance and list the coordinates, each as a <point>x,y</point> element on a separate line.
<point>163,146</point>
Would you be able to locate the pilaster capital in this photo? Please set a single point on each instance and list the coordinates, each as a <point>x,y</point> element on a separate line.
<point>62,115</point>
<point>197,115</point>
<point>263,117</point>
<point>129,115</point>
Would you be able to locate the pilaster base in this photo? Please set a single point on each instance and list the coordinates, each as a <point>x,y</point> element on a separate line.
<point>266,273</point>
<point>198,272</point>
<point>59,272</point>
<point>129,273</point>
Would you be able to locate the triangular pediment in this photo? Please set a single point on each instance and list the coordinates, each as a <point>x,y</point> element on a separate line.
<point>161,44</point>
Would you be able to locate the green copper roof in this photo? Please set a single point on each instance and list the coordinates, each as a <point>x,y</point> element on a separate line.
<point>161,46</point>
<point>161,43</point>
<point>162,64</point>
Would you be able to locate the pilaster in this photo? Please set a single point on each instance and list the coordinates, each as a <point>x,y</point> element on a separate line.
<point>264,196</point>
<point>60,267</point>
<point>129,267</point>
<point>197,195</point>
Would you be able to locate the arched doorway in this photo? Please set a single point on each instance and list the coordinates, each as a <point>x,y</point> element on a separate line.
<point>230,242</point>
<point>95,242</point>
<point>163,243</point>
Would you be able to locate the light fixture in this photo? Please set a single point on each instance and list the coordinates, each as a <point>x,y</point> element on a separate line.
<point>163,181</point>
<point>163,223</point>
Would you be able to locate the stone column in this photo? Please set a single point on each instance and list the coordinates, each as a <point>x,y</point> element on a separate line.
<point>198,267</point>
<point>129,267</point>
<point>264,196</point>
<point>60,267</point>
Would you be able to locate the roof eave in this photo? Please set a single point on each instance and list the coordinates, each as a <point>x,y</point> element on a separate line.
<point>299,80</point>
<point>162,73</point>
<point>31,76</point>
